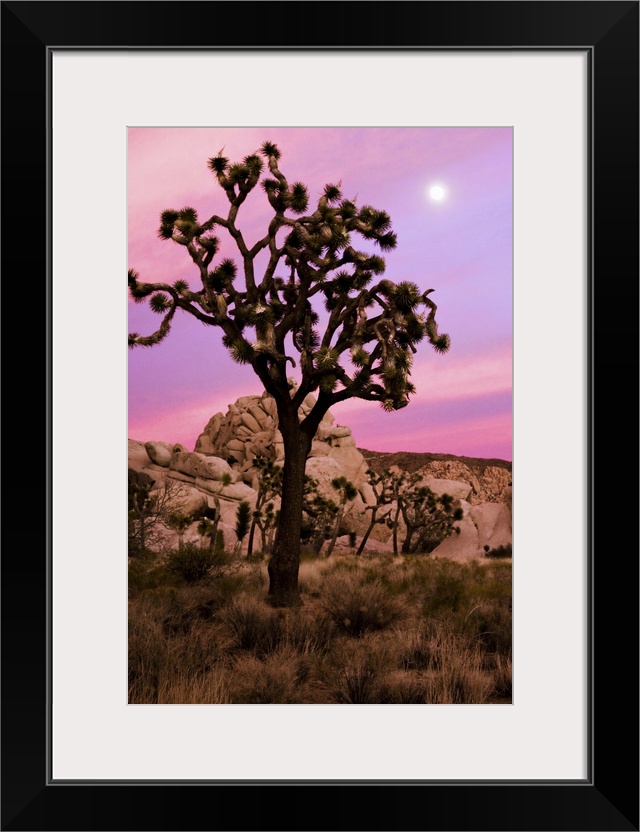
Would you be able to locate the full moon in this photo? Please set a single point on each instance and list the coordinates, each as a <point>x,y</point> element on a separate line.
<point>437,192</point>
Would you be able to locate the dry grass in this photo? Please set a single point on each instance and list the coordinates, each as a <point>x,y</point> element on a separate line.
<point>371,631</point>
<point>357,605</point>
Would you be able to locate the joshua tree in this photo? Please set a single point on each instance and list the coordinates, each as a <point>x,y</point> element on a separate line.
<point>364,347</point>
<point>348,492</point>
<point>381,486</point>
<point>429,517</point>
<point>179,522</point>
<point>243,519</point>
<point>208,518</point>
<point>151,505</point>
<point>269,477</point>
<point>318,515</point>
<point>205,530</point>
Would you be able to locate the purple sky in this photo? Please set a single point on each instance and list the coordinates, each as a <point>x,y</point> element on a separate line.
<point>460,246</point>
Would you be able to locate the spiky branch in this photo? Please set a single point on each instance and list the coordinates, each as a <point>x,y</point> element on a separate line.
<point>373,328</point>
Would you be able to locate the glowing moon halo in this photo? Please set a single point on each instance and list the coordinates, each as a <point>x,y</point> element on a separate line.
<point>437,193</point>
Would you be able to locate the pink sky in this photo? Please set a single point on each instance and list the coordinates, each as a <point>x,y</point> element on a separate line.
<point>460,246</point>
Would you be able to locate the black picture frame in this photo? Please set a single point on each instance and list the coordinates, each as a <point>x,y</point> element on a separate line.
<point>608,798</point>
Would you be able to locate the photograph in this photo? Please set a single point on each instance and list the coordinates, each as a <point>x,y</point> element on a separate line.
<point>320,415</point>
<point>380,319</point>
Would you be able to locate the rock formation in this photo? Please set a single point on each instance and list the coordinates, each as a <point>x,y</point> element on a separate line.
<point>220,471</point>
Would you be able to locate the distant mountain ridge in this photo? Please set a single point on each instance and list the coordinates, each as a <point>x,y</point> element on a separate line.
<point>490,479</point>
<point>411,461</point>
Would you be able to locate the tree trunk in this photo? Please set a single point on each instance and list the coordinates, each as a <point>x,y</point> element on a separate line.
<point>252,532</point>
<point>285,560</point>
<point>406,546</point>
<point>214,531</point>
<point>336,529</point>
<point>368,532</point>
<point>254,522</point>
<point>395,528</point>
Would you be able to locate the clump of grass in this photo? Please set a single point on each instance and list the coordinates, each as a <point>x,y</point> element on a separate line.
<point>252,624</point>
<point>193,564</point>
<point>148,572</point>
<point>172,634</point>
<point>402,687</point>
<point>489,623</point>
<point>420,647</point>
<point>358,607</point>
<point>260,629</point>
<point>306,630</point>
<point>147,656</point>
<point>311,576</point>
<point>277,679</point>
<point>460,680</point>
<point>354,674</point>
<point>188,688</point>
<point>502,679</point>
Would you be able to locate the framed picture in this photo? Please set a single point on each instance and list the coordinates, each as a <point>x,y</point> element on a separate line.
<point>564,78</point>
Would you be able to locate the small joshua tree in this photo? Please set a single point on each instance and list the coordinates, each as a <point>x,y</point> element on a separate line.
<point>365,346</point>
<point>348,492</point>
<point>179,522</point>
<point>429,517</point>
<point>382,489</point>
<point>151,505</point>
<point>319,514</point>
<point>269,477</point>
<point>243,519</point>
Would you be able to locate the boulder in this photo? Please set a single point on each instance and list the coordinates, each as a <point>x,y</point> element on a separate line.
<point>180,477</point>
<point>261,416</point>
<point>159,452</point>
<point>202,466</point>
<point>351,463</point>
<point>204,445</point>
<point>324,469</point>
<point>456,489</point>
<point>493,521</point>
<point>463,546</point>
<point>239,491</point>
<point>339,432</point>
<point>319,449</point>
<point>251,422</point>
<point>138,456</point>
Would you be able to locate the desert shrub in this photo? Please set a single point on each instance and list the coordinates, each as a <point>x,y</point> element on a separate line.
<point>502,679</point>
<point>148,572</point>
<point>489,623</point>
<point>354,673</point>
<point>148,658</point>
<point>306,631</point>
<point>173,642</point>
<point>402,688</point>
<point>193,563</point>
<point>252,624</point>
<point>311,576</point>
<point>420,647</point>
<point>275,680</point>
<point>499,552</point>
<point>183,688</point>
<point>460,678</point>
<point>258,628</point>
<point>358,607</point>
